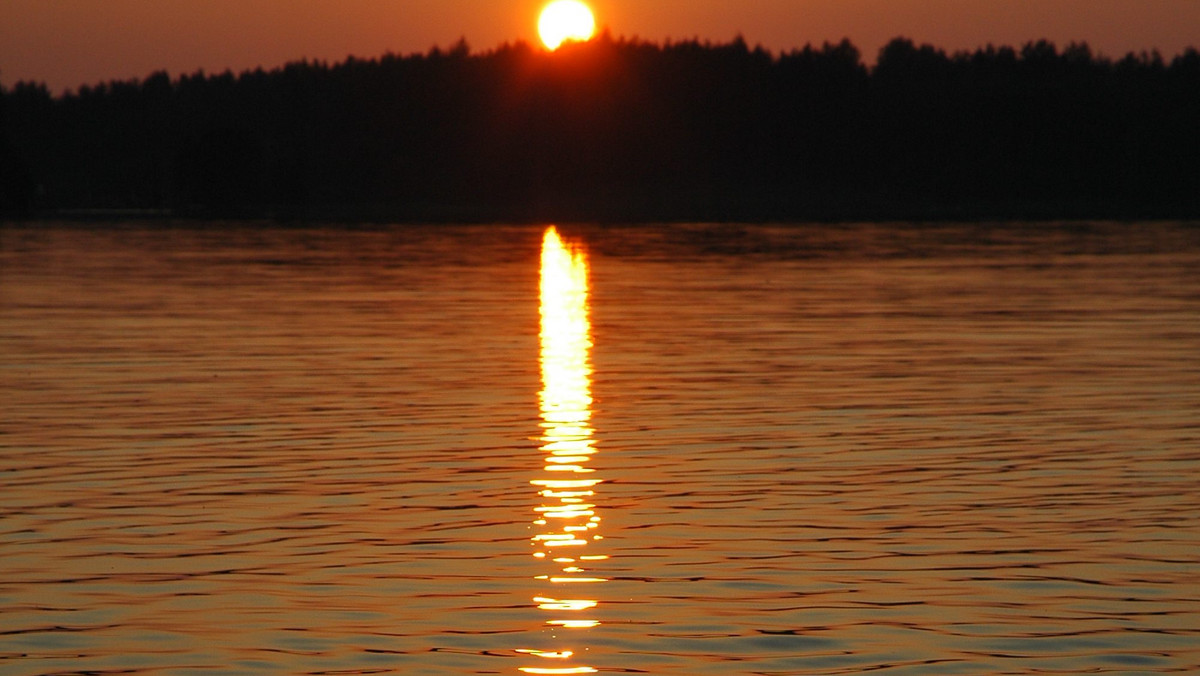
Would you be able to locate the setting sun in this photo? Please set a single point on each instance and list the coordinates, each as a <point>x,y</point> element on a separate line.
<point>565,20</point>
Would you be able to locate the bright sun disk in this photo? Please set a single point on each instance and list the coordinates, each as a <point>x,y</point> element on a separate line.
<point>564,20</point>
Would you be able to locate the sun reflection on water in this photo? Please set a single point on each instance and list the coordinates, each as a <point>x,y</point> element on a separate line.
<point>566,519</point>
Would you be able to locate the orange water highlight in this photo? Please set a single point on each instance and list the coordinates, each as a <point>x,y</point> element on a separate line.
<point>566,520</point>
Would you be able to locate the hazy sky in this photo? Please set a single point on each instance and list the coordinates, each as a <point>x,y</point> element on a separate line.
<point>66,43</point>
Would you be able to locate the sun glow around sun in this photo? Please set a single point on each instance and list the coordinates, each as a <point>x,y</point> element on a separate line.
<point>564,20</point>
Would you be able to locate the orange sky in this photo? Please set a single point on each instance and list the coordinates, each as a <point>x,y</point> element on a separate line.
<point>66,43</point>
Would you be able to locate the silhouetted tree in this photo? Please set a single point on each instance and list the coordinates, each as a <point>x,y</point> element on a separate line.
<point>627,129</point>
<point>16,190</point>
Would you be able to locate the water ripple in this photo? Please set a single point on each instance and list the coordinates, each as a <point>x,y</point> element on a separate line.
<point>824,450</point>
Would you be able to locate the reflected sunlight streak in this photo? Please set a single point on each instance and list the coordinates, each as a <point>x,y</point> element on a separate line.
<point>566,516</point>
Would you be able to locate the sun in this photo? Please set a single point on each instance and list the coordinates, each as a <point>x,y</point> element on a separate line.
<point>564,20</point>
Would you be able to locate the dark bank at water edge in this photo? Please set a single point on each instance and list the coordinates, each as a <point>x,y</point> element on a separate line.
<point>624,130</point>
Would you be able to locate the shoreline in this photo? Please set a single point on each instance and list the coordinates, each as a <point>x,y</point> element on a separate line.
<point>440,215</point>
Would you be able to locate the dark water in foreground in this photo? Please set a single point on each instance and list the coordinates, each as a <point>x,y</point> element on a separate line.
<point>692,450</point>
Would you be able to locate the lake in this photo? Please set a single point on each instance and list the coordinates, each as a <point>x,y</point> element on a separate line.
<point>680,449</point>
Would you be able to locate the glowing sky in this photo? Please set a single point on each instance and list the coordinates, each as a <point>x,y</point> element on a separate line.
<point>66,43</point>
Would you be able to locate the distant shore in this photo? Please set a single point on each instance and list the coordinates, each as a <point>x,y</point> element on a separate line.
<point>395,214</point>
<point>380,217</point>
<point>623,131</point>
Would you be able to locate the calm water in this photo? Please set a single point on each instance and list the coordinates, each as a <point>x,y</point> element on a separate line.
<point>693,450</point>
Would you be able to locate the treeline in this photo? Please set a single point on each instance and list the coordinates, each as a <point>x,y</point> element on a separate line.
<point>625,130</point>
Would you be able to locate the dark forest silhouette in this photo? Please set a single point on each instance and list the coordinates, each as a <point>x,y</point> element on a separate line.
<point>625,130</point>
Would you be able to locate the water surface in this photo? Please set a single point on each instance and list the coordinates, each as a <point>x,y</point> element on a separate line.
<point>958,449</point>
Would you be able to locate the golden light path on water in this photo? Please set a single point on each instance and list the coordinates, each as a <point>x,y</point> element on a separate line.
<point>566,520</point>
